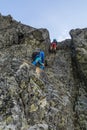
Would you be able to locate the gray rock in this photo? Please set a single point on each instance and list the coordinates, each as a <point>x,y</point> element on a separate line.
<point>55,99</point>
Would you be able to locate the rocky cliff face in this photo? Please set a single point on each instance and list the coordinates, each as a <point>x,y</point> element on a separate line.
<point>79,62</point>
<point>53,100</point>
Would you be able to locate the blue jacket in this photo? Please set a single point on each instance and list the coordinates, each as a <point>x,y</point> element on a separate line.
<point>42,55</point>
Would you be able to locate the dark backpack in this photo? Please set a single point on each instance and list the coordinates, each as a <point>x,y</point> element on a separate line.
<point>34,55</point>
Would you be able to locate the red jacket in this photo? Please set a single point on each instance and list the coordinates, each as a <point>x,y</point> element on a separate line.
<point>53,45</point>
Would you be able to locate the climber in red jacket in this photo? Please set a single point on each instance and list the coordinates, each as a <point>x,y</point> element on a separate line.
<point>53,46</point>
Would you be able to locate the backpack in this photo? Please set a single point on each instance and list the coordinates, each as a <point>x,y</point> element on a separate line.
<point>34,55</point>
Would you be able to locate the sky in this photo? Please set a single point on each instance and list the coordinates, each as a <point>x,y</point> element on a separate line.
<point>57,16</point>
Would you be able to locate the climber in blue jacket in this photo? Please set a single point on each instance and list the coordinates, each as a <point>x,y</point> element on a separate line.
<point>39,59</point>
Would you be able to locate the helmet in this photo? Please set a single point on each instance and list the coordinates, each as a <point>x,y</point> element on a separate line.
<point>54,40</point>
